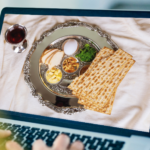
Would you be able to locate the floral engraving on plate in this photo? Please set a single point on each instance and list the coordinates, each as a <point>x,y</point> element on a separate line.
<point>58,88</point>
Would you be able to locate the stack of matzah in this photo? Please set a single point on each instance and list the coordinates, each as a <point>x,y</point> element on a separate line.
<point>96,88</point>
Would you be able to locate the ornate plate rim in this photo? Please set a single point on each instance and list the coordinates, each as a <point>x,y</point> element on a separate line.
<point>26,68</point>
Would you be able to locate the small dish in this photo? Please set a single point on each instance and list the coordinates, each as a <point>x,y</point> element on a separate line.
<point>53,76</point>
<point>70,65</point>
<point>83,69</point>
<point>87,53</point>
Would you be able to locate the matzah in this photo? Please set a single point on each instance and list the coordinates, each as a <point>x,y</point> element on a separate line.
<point>101,110</point>
<point>99,76</point>
<point>97,87</point>
<point>103,53</point>
<point>104,102</point>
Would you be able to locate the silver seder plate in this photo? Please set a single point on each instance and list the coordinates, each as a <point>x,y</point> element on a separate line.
<point>58,97</point>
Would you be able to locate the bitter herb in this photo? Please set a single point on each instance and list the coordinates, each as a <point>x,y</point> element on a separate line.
<point>87,54</point>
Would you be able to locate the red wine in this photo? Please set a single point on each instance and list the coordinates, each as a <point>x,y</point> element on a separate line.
<point>16,35</point>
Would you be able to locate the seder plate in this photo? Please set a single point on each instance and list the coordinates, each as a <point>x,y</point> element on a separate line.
<point>58,99</point>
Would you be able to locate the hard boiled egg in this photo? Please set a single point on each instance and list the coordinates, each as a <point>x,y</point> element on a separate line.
<point>70,46</point>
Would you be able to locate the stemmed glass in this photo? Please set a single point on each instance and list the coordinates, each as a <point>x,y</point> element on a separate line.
<point>15,35</point>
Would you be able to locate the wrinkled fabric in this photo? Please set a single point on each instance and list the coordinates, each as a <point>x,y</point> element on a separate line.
<point>131,109</point>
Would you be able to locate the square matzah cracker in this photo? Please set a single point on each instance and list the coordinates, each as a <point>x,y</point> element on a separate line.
<point>103,53</point>
<point>104,102</point>
<point>100,75</point>
<point>101,110</point>
<point>112,83</point>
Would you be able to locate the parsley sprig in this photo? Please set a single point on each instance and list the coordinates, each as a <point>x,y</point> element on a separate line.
<point>87,54</point>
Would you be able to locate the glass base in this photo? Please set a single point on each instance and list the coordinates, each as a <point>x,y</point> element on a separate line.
<point>20,49</point>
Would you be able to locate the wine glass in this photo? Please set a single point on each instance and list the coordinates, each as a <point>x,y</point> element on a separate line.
<point>15,35</point>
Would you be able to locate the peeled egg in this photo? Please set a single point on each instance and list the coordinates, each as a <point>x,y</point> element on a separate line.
<point>70,46</point>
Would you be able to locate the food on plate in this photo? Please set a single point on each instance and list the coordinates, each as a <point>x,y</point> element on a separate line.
<point>83,69</point>
<point>70,64</point>
<point>53,75</point>
<point>47,54</point>
<point>56,59</point>
<point>70,46</point>
<point>96,88</point>
<point>52,57</point>
<point>87,54</point>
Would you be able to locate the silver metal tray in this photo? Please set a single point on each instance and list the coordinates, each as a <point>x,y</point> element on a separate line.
<point>31,70</point>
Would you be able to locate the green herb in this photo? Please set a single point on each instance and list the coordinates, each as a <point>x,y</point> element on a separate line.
<point>87,54</point>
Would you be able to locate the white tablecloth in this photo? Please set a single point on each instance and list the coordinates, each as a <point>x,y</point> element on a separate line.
<point>131,108</point>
